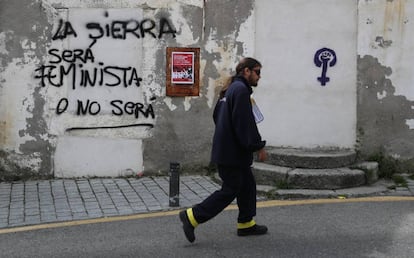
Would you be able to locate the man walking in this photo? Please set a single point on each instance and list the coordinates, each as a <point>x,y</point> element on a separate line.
<point>236,138</point>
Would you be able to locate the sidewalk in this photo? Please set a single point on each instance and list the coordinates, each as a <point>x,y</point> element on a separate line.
<point>58,200</point>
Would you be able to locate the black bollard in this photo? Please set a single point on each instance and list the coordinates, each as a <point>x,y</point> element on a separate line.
<point>174,184</point>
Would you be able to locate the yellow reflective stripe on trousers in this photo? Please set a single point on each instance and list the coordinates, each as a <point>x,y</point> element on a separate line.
<point>246,224</point>
<point>190,216</point>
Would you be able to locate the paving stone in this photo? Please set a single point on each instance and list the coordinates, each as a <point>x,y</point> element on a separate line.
<point>32,212</point>
<point>95,216</point>
<point>140,209</point>
<point>154,208</point>
<point>64,214</point>
<point>137,204</point>
<point>32,219</point>
<point>94,211</point>
<point>16,211</point>
<point>125,212</point>
<point>16,224</point>
<point>110,212</point>
<point>49,219</point>
<point>91,205</point>
<point>79,215</point>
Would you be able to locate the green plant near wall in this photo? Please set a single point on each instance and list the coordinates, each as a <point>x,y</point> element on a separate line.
<point>399,180</point>
<point>282,184</point>
<point>388,166</point>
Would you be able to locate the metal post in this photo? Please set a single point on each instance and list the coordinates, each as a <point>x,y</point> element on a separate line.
<point>174,184</point>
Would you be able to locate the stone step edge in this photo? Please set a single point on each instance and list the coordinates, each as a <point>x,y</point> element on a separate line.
<point>369,167</point>
<point>362,173</point>
<point>310,158</point>
<point>377,189</point>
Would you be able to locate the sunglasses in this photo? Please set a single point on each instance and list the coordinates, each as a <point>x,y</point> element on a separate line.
<point>257,71</point>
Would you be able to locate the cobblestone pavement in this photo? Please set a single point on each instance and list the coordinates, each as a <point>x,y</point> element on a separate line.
<point>45,201</point>
<point>59,200</point>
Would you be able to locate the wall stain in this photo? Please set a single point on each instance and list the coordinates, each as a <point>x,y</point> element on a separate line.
<point>382,42</point>
<point>184,127</point>
<point>221,25</point>
<point>394,17</point>
<point>382,121</point>
<point>26,20</point>
<point>3,132</point>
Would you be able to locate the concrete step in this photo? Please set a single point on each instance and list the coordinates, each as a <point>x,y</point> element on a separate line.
<point>310,158</point>
<point>308,178</point>
<point>379,188</point>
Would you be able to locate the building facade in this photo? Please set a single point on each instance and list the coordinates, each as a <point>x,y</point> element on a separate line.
<point>83,83</point>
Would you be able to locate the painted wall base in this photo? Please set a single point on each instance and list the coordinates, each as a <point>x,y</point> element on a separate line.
<point>97,157</point>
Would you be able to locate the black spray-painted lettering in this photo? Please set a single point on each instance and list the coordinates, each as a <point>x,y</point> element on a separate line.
<point>64,30</point>
<point>71,56</point>
<point>121,29</point>
<point>101,75</point>
<point>59,108</point>
<point>132,108</point>
<point>80,68</point>
<point>149,125</point>
<point>116,30</point>
<point>93,108</point>
<point>50,72</point>
<point>119,108</point>
<point>166,28</point>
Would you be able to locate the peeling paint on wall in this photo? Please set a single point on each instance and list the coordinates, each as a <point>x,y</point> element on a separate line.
<point>30,128</point>
<point>221,36</point>
<point>410,123</point>
<point>385,92</point>
<point>25,143</point>
<point>382,122</point>
<point>386,32</point>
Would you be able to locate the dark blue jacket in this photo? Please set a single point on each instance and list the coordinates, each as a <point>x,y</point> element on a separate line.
<point>236,136</point>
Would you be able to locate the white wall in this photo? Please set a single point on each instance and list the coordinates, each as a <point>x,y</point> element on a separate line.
<point>387,33</point>
<point>298,111</point>
<point>100,50</point>
<point>91,157</point>
<point>386,75</point>
<point>283,34</point>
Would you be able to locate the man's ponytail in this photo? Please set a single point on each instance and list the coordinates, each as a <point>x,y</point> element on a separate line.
<point>246,62</point>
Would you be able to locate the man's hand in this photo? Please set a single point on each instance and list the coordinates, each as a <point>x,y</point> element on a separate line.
<point>262,155</point>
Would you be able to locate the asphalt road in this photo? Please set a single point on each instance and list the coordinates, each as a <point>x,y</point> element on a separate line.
<point>369,228</point>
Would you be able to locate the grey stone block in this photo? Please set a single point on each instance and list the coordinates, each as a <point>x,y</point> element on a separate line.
<point>304,193</point>
<point>269,174</point>
<point>325,178</point>
<point>265,188</point>
<point>311,158</point>
<point>370,169</point>
<point>362,191</point>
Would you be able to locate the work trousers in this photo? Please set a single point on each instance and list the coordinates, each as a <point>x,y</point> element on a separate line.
<point>237,183</point>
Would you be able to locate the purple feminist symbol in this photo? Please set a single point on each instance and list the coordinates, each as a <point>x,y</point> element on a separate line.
<point>324,57</point>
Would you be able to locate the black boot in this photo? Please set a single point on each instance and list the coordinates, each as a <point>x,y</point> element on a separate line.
<point>187,227</point>
<point>254,230</point>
